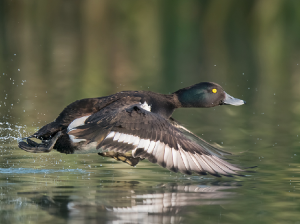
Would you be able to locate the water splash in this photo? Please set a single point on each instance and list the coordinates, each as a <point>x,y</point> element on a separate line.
<point>12,132</point>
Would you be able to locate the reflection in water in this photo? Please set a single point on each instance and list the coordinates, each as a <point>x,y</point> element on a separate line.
<point>121,203</point>
<point>165,207</point>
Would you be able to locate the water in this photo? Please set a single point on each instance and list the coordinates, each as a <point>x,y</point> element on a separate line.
<point>63,188</point>
<point>112,192</point>
<point>50,58</point>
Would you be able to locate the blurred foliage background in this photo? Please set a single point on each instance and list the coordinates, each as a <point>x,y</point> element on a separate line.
<point>55,52</point>
<point>69,49</point>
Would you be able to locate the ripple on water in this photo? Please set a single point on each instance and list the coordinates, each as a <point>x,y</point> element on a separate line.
<point>29,170</point>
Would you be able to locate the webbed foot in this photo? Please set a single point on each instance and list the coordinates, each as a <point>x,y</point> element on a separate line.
<point>44,147</point>
<point>124,157</point>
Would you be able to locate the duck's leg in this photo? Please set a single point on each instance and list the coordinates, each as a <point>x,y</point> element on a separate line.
<point>32,146</point>
<point>124,157</point>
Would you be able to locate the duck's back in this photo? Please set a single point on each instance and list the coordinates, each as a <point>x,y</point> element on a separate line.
<point>157,103</point>
<point>75,110</point>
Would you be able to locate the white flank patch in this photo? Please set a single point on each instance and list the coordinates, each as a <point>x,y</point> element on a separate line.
<point>76,140</point>
<point>77,122</point>
<point>74,124</point>
<point>145,106</point>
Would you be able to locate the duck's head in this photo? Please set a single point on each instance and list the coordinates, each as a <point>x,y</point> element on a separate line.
<point>206,94</point>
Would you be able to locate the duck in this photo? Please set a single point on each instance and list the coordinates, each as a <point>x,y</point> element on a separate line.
<point>134,125</point>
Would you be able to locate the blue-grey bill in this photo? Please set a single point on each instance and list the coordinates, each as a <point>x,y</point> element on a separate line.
<point>233,101</point>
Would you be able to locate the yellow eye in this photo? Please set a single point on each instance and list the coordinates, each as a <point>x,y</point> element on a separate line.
<point>214,90</point>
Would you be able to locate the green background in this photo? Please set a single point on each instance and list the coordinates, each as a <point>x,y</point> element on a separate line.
<point>55,52</point>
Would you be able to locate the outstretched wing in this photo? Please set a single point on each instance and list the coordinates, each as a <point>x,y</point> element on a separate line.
<point>151,136</point>
<point>212,149</point>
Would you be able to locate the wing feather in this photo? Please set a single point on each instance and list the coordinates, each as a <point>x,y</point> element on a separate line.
<point>161,141</point>
<point>168,157</point>
<point>160,153</point>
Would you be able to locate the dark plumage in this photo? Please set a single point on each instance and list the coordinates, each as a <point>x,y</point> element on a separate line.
<point>134,125</point>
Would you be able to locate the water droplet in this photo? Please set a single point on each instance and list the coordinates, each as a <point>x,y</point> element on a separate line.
<point>19,69</point>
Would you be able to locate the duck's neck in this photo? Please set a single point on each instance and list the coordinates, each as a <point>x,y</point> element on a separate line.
<point>188,98</point>
<point>176,101</point>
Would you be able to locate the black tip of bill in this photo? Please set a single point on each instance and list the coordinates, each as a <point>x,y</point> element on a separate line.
<point>230,100</point>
